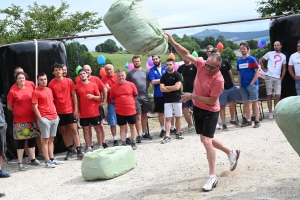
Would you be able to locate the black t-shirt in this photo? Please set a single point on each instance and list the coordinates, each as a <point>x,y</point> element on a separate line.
<point>170,80</point>
<point>189,73</point>
<point>226,66</point>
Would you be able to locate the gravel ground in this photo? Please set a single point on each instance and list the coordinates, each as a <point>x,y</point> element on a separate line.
<point>268,168</point>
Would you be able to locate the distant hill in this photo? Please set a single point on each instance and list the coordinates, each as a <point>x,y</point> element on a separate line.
<point>233,36</point>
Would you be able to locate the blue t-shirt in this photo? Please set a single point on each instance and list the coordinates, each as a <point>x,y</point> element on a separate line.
<point>246,68</point>
<point>154,74</point>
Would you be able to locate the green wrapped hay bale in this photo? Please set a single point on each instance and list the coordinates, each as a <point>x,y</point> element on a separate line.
<point>135,28</point>
<point>107,163</point>
<point>287,116</point>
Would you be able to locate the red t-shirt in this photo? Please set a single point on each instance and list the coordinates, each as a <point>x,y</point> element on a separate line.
<point>110,80</point>
<point>98,82</point>
<point>21,103</point>
<point>62,94</point>
<point>124,95</point>
<point>44,98</point>
<point>27,84</point>
<point>87,107</point>
<point>207,86</point>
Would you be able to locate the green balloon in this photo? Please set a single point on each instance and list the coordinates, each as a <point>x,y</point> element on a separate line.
<point>77,69</point>
<point>195,54</point>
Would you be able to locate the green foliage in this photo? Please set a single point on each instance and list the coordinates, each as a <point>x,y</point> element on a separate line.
<point>229,55</point>
<point>258,53</point>
<point>41,21</point>
<point>109,46</point>
<point>252,44</point>
<point>277,7</point>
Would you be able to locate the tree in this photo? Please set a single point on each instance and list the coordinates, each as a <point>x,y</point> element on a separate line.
<point>41,21</point>
<point>229,55</point>
<point>258,53</point>
<point>208,41</point>
<point>277,7</point>
<point>252,44</point>
<point>109,46</point>
<point>98,48</point>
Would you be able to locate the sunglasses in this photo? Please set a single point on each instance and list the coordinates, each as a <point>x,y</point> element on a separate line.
<point>210,66</point>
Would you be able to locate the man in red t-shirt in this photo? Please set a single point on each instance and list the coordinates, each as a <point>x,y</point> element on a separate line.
<point>47,119</point>
<point>65,100</point>
<point>208,86</point>
<point>123,94</point>
<point>88,94</point>
<point>103,97</point>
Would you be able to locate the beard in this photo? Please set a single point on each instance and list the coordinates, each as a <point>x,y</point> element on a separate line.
<point>156,64</point>
<point>137,66</point>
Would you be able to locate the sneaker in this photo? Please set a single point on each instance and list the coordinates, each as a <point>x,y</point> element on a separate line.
<point>224,127</point>
<point>139,139</point>
<point>233,122</point>
<point>100,147</point>
<point>233,159</point>
<point>69,155</point>
<point>173,131</point>
<point>147,136</point>
<point>27,160</point>
<point>88,149</point>
<point>271,116</point>
<point>116,143</point>
<point>128,141</point>
<point>80,156</point>
<point>57,162</point>
<point>191,128</point>
<point>104,145</point>
<point>49,164</point>
<point>3,174</point>
<point>2,195</point>
<point>246,124</point>
<point>218,126</point>
<point>21,167</point>
<point>244,120</point>
<point>133,145</point>
<point>253,118</point>
<point>256,124</point>
<point>35,162</point>
<point>74,150</point>
<point>211,183</point>
<point>166,139</point>
<point>178,135</point>
<point>162,133</point>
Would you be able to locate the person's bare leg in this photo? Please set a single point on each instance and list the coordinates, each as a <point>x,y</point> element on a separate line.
<point>38,141</point>
<point>219,145</point>
<point>45,148</point>
<point>86,135</point>
<point>138,124</point>
<point>210,154</point>
<point>72,129</point>
<point>123,134</point>
<point>255,110</point>
<point>20,153</point>
<point>102,130</point>
<point>26,148</point>
<point>222,114</point>
<point>65,136</point>
<point>113,130</point>
<point>31,152</point>
<point>90,134</point>
<point>161,119</point>
<point>144,122</point>
<point>269,102</point>
<point>247,110</point>
<point>168,125</point>
<point>232,110</point>
<point>132,130</point>
<point>99,134</point>
<point>51,147</point>
<point>187,116</point>
<point>277,99</point>
<point>178,124</point>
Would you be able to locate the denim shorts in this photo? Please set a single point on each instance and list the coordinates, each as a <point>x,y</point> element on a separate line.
<point>249,93</point>
<point>111,115</point>
<point>229,95</point>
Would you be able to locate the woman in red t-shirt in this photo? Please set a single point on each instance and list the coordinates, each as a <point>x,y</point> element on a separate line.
<point>24,126</point>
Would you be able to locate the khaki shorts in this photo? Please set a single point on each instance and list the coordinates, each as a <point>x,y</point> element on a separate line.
<point>272,83</point>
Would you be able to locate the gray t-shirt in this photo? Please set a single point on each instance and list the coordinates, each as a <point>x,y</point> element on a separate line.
<point>139,78</point>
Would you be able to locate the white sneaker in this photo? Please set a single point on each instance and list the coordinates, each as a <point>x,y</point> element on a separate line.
<point>101,147</point>
<point>218,126</point>
<point>89,149</point>
<point>191,128</point>
<point>233,159</point>
<point>211,183</point>
<point>57,162</point>
<point>49,164</point>
<point>27,160</point>
<point>271,116</point>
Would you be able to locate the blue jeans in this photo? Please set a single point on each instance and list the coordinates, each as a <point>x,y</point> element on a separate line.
<point>249,93</point>
<point>297,83</point>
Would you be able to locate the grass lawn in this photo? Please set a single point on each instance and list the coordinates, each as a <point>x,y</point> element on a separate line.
<point>119,60</point>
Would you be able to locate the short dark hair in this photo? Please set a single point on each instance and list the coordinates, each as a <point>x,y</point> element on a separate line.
<point>81,70</point>
<point>22,73</point>
<point>215,50</point>
<point>136,57</point>
<point>170,60</point>
<point>56,65</point>
<point>245,44</point>
<point>40,74</point>
<point>155,56</point>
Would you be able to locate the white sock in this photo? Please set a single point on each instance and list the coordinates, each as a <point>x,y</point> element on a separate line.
<point>172,128</point>
<point>127,135</point>
<point>115,137</point>
<point>163,128</point>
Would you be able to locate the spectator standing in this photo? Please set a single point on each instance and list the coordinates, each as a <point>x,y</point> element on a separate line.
<point>3,127</point>
<point>294,68</point>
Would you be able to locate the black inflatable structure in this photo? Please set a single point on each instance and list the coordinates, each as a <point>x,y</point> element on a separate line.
<point>23,55</point>
<point>287,31</point>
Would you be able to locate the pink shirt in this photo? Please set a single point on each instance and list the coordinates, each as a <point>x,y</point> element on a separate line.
<point>207,86</point>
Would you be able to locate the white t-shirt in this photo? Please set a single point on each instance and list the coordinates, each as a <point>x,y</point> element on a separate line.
<point>295,61</point>
<point>275,62</point>
<point>159,70</point>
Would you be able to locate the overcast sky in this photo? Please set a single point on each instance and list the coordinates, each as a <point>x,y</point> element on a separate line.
<point>169,14</point>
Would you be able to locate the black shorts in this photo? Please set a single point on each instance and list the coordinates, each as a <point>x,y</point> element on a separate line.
<point>159,104</point>
<point>205,121</point>
<point>90,120</point>
<point>142,105</point>
<point>102,114</point>
<point>2,141</point>
<point>123,120</point>
<point>65,119</point>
